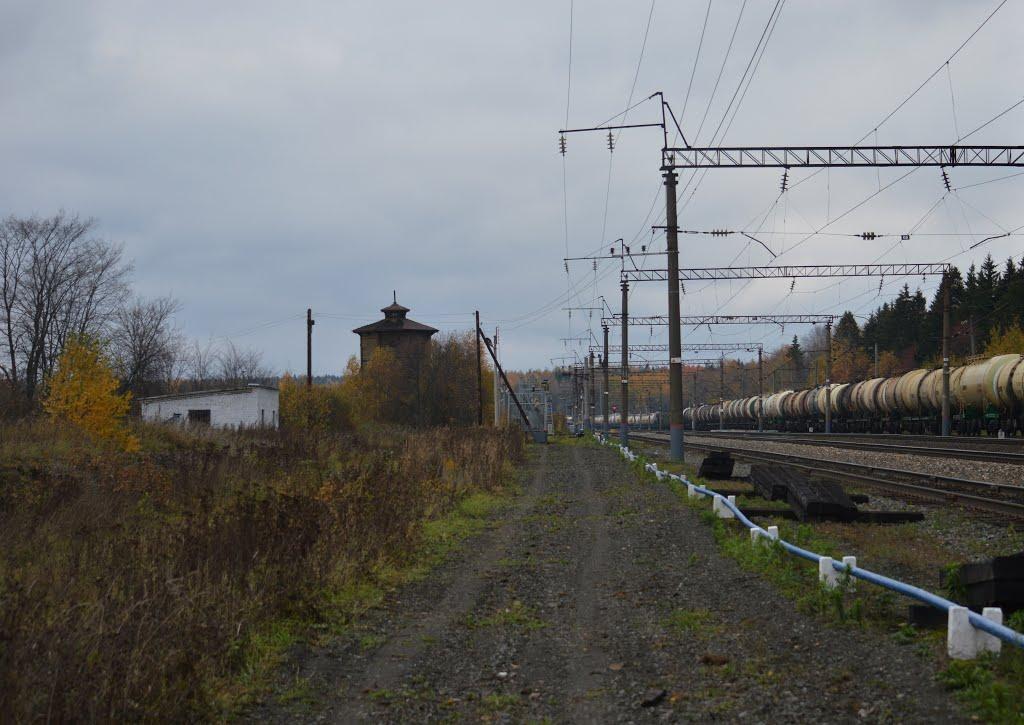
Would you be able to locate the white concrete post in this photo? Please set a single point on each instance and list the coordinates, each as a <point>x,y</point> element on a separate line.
<point>827,573</point>
<point>723,511</point>
<point>961,642</point>
<point>691,491</point>
<point>773,533</point>
<point>755,535</point>
<point>986,642</point>
<point>850,562</point>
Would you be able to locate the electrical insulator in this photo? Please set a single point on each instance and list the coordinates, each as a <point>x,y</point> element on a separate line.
<point>566,267</point>
<point>594,263</point>
<point>627,250</point>
<point>785,181</point>
<point>868,235</point>
<point>682,288</point>
<point>904,237</point>
<point>561,144</point>
<point>945,180</point>
<point>643,247</point>
<point>792,286</point>
<point>611,142</point>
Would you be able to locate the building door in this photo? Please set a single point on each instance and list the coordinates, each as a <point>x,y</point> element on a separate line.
<point>201,417</point>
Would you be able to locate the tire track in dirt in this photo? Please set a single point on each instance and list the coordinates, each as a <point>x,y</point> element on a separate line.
<point>604,598</point>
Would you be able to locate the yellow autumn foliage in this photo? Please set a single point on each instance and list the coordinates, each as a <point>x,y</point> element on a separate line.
<point>1006,341</point>
<point>83,392</point>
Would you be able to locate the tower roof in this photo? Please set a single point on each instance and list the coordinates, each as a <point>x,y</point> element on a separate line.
<point>395,320</point>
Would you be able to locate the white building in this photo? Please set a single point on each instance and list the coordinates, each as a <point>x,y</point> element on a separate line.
<point>254,406</point>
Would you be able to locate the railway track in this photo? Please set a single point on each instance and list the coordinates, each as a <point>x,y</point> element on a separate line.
<point>1004,499</point>
<point>991,450</point>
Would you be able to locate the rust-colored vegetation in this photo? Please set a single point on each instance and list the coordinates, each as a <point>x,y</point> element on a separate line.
<point>135,585</point>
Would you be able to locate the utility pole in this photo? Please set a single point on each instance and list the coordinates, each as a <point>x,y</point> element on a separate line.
<point>721,392</point>
<point>760,389</point>
<point>970,326</point>
<point>588,364</point>
<point>497,413</point>
<point>876,359</point>
<point>828,377</point>
<point>946,420</point>
<point>604,369</point>
<point>675,350</point>
<point>593,392</point>
<point>693,406</point>
<point>479,374</point>
<point>309,347</point>
<point>624,402</point>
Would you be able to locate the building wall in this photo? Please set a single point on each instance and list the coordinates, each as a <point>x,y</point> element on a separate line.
<point>251,408</point>
<point>409,347</point>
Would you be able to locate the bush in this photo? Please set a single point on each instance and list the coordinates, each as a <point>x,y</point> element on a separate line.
<point>138,586</point>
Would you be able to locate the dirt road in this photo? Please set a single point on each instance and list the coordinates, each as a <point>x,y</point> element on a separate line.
<point>600,598</point>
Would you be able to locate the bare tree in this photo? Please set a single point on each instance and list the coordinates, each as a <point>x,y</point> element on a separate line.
<point>57,281</point>
<point>200,361</point>
<point>145,343</point>
<point>239,366</point>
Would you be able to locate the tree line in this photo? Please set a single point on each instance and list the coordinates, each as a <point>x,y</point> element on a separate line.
<point>60,280</point>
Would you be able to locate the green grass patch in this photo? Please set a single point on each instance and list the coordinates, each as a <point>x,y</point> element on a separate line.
<point>517,615</point>
<point>499,702</point>
<point>691,622</point>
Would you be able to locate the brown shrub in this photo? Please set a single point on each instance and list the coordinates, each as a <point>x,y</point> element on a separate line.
<point>131,583</point>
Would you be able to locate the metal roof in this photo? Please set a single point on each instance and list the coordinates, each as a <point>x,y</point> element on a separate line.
<point>200,393</point>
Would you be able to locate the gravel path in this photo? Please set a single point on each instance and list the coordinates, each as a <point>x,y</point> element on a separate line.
<point>564,610</point>
<point>974,470</point>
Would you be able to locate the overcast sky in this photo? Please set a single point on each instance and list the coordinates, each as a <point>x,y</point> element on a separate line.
<point>259,158</point>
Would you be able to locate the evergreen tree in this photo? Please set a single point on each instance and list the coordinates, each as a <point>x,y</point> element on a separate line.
<point>848,331</point>
<point>795,354</point>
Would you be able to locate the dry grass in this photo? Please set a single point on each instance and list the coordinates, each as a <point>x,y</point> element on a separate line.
<point>145,586</point>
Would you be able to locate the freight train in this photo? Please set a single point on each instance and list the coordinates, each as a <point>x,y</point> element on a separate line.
<point>986,396</point>
<point>637,421</point>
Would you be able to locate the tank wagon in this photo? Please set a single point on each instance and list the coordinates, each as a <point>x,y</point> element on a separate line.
<point>638,421</point>
<point>986,396</point>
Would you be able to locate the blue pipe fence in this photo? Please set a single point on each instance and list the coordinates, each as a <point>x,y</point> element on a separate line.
<point>999,631</point>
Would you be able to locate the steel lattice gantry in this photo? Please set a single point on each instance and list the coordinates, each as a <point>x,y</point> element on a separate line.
<point>840,156</point>
<point>701,320</point>
<point>788,272</point>
<point>694,347</point>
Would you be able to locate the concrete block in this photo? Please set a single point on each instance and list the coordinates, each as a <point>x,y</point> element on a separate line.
<point>723,511</point>
<point>755,535</point>
<point>691,491</point>
<point>986,642</point>
<point>827,573</point>
<point>773,533</point>
<point>961,637</point>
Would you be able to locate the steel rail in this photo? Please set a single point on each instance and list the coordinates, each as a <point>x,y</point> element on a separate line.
<point>878,477</point>
<point>974,454</point>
